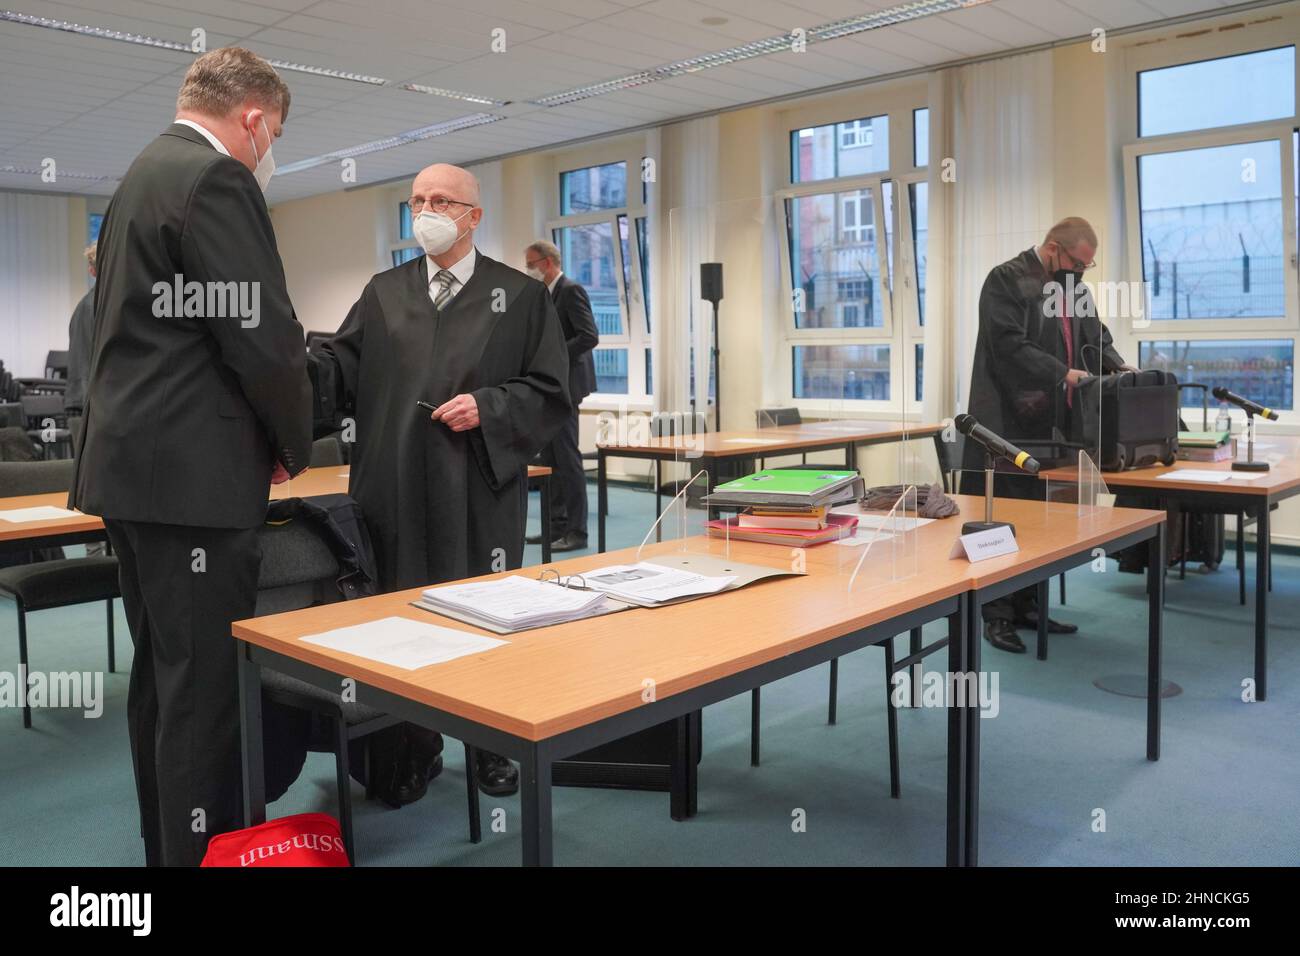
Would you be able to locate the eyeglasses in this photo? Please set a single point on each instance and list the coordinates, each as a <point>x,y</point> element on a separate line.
<point>1077,264</point>
<point>534,263</point>
<point>437,204</point>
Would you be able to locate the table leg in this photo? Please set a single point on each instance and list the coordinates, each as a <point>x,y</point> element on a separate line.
<point>250,738</point>
<point>957,765</point>
<point>546,519</point>
<point>693,742</point>
<point>918,669</point>
<point>1263,558</point>
<point>1044,597</point>
<point>851,456</point>
<point>972,715</point>
<point>535,801</point>
<point>1155,636</point>
<point>602,494</point>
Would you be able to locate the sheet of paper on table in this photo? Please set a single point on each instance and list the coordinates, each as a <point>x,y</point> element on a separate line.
<point>401,642</point>
<point>647,583</point>
<point>871,520</point>
<point>37,513</point>
<point>1194,474</point>
<point>860,538</point>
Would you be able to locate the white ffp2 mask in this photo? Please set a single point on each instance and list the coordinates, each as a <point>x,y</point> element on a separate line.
<point>436,231</point>
<point>266,165</point>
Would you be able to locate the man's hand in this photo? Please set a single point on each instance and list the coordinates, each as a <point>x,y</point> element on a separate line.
<point>1129,368</point>
<point>1074,376</point>
<point>460,414</point>
<point>278,474</point>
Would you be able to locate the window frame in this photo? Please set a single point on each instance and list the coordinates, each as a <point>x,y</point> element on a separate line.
<point>636,339</point>
<point>901,328</point>
<point>1213,45</point>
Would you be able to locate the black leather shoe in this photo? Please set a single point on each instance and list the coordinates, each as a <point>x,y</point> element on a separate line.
<point>415,781</point>
<point>1001,633</point>
<point>497,776</point>
<point>569,542</point>
<point>533,539</point>
<point>1053,627</point>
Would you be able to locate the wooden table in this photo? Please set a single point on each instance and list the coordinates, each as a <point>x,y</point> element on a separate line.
<point>82,528</point>
<point>710,448</point>
<point>1254,496</point>
<point>553,692</point>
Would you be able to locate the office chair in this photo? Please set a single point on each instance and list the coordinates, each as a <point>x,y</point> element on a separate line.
<point>326,451</point>
<point>299,570</point>
<point>42,407</point>
<point>43,585</point>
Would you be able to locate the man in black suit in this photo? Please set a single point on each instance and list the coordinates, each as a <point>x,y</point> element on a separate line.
<point>569,481</point>
<point>81,331</point>
<point>198,399</point>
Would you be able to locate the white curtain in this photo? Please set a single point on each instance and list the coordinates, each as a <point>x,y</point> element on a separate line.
<point>36,288</point>
<point>692,165</point>
<point>991,128</point>
<point>490,235</point>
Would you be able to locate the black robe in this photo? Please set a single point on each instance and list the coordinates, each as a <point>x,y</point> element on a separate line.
<point>444,505</point>
<point>1017,382</point>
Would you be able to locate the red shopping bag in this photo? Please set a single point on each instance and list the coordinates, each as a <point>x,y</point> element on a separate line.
<point>306,839</point>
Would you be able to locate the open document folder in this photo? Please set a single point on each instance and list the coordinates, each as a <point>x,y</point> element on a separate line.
<point>517,603</point>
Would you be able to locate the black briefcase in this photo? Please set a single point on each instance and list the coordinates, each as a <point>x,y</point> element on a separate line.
<point>1131,417</point>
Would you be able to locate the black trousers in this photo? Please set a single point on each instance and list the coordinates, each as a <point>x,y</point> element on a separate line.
<point>1019,604</point>
<point>568,482</point>
<point>181,589</point>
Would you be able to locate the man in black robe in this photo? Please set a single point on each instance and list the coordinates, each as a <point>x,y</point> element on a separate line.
<point>1039,336</point>
<point>445,493</point>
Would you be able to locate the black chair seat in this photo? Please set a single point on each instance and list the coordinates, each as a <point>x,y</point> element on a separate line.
<point>48,584</point>
<point>308,696</point>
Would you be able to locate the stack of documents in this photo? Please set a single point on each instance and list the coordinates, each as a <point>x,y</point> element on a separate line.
<point>512,604</point>
<point>789,489</point>
<point>1204,446</point>
<point>650,585</point>
<point>835,526</point>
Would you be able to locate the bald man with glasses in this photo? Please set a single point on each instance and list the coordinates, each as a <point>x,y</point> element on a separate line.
<point>443,484</point>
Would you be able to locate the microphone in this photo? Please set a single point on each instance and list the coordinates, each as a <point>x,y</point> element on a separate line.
<point>994,444</point>
<point>1223,395</point>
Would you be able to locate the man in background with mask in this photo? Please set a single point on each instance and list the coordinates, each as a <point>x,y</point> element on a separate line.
<point>198,399</point>
<point>1039,336</point>
<point>445,491</point>
<point>569,484</point>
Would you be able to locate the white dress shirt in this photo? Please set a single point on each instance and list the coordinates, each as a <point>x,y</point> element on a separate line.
<point>217,144</point>
<point>461,271</point>
<point>550,286</point>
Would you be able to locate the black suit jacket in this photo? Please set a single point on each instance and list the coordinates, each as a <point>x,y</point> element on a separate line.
<point>1017,382</point>
<point>580,336</point>
<point>186,414</point>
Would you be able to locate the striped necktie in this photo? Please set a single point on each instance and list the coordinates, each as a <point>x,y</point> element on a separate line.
<point>444,290</point>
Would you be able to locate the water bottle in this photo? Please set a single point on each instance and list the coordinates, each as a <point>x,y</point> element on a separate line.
<point>1223,423</point>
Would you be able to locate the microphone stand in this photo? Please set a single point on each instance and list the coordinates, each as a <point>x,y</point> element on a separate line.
<point>1250,464</point>
<point>970,527</point>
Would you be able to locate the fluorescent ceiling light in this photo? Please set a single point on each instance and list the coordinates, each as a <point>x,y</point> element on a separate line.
<point>769,45</point>
<point>453,94</point>
<point>390,142</point>
<point>103,33</point>
<point>62,174</point>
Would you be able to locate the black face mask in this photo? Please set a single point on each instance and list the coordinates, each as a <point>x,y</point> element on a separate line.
<point>1061,276</point>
